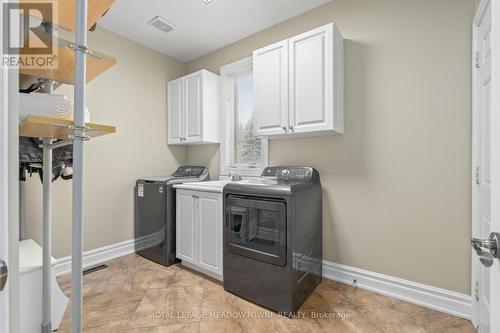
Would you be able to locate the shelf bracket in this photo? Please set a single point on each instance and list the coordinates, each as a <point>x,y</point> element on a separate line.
<point>82,48</point>
<point>79,133</point>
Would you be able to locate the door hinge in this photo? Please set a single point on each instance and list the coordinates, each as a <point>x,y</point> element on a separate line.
<point>477,60</point>
<point>476,175</point>
<point>476,291</point>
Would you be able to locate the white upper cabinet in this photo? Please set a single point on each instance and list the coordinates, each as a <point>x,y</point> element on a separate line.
<point>175,93</point>
<point>271,89</point>
<point>194,115</point>
<point>313,85</point>
<point>316,81</point>
<point>193,109</point>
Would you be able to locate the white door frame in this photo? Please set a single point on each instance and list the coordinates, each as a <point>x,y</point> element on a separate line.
<point>4,239</point>
<point>494,271</point>
<point>495,160</point>
<point>9,190</point>
<point>13,197</point>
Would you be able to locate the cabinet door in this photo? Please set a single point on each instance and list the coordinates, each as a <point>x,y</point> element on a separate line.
<point>186,226</point>
<point>311,86</point>
<point>193,100</point>
<point>210,231</point>
<point>174,111</point>
<point>271,89</point>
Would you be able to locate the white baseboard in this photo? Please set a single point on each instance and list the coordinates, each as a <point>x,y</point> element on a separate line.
<point>96,257</point>
<point>442,300</point>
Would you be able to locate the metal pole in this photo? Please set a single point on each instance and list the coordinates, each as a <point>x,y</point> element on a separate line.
<point>47,236</point>
<point>78,138</point>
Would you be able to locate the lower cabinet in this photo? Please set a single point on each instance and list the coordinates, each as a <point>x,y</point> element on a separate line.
<point>199,231</point>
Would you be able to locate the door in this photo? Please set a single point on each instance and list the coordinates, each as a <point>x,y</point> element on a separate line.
<point>186,212</point>
<point>256,228</point>
<point>271,89</point>
<point>175,113</point>
<point>210,231</point>
<point>193,109</point>
<point>486,163</point>
<point>311,84</point>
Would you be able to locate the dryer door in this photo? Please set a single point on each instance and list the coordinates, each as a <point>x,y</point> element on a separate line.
<point>256,228</point>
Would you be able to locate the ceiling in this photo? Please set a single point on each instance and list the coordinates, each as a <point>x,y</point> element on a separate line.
<point>201,28</point>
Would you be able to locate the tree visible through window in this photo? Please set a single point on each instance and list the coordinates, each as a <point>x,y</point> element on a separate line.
<point>248,148</point>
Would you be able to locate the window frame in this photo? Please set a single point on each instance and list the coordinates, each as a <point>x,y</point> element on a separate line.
<point>228,73</point>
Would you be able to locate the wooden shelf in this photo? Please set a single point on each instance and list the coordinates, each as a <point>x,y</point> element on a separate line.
<point>46,127</point>
<point>97,63</point>
<point>67,12</point>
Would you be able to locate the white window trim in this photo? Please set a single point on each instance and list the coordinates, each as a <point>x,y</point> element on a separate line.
<point>227,122</point>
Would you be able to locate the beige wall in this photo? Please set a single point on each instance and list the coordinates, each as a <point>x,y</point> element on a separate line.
<point>131,96</point>
<point>397,184</point>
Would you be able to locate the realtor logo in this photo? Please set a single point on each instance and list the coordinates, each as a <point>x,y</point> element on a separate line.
<point>29,34</point>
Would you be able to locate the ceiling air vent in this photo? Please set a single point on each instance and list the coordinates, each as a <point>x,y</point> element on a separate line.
<point>160,23</point>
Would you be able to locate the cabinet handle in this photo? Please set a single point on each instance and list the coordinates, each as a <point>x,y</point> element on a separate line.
<point>291,128</point>
<point>284,128</point>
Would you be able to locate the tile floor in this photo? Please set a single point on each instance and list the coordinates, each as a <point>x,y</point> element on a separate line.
<point>136,295</point>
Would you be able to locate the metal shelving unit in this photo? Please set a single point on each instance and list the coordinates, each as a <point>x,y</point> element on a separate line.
<point>56,133</point>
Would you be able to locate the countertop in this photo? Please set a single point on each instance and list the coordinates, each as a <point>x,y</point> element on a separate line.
<point>216,186</point>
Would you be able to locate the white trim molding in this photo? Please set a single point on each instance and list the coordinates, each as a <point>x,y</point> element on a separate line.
<point>96,257</point>
<point>442,300</point>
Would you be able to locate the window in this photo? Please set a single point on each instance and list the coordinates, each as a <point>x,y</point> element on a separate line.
<point>248,148</point>
<point>241,151</point>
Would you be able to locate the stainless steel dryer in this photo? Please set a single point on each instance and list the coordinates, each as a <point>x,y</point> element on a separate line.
<point>273,237</point>
<point>154,226</point>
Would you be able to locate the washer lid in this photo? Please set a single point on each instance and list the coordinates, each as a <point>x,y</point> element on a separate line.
<point>192,173</point>
<point>156,178</point>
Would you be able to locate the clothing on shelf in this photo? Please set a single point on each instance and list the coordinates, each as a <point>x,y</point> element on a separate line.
<point>31,160</point>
